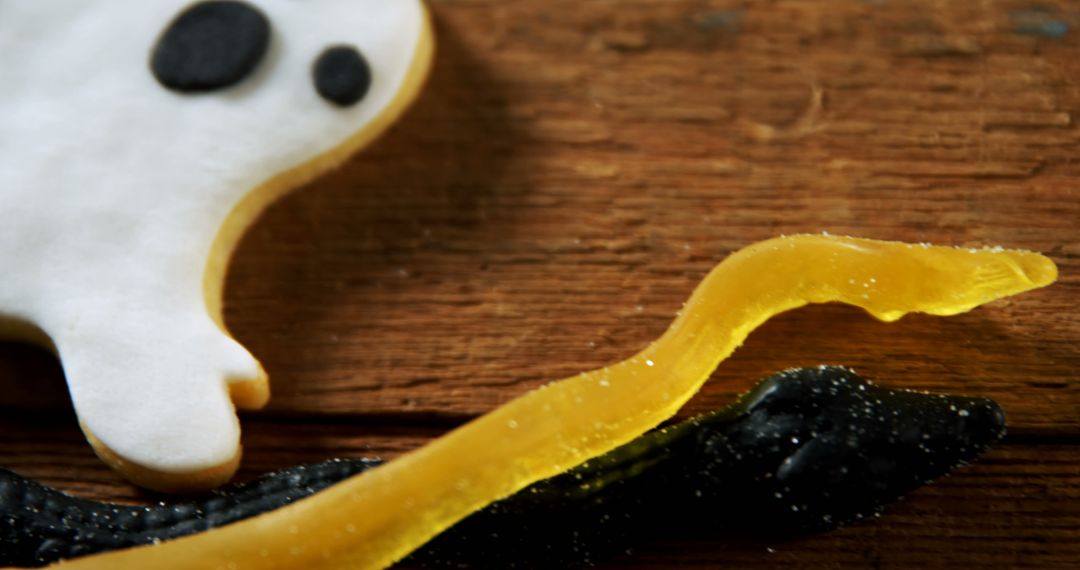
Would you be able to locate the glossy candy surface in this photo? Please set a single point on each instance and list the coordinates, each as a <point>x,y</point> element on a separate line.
<point>379,516</point>
<point>805,450</point>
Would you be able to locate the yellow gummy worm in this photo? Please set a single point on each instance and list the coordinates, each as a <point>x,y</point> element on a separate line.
<point>378,517</point>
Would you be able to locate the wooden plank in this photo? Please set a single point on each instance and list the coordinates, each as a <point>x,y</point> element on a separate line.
<point>556,195</point>
<point>572,171</point>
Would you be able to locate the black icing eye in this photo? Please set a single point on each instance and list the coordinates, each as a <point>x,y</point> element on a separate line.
<point>341,75</point>
<point>210,45</point>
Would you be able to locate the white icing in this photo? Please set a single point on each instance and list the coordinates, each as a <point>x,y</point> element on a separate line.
<point>112,190</point>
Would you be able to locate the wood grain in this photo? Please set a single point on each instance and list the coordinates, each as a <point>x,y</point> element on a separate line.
<point>574,168</point>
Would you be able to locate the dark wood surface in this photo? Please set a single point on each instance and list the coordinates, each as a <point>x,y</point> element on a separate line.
<point>574,168</point>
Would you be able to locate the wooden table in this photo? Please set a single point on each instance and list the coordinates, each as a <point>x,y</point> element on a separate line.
<point>571,172</point>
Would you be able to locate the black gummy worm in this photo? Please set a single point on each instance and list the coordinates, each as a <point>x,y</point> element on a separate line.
<point>806,450</point>
<point>40,525</point>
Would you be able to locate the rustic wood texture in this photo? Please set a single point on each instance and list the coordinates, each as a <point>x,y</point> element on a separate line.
<point>571,172</point>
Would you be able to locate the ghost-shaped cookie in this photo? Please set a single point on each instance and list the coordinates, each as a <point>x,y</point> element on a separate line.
<point>138,140</point>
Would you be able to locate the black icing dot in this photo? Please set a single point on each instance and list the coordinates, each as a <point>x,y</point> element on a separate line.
<point>210,45</point>
<point>341,75</point>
